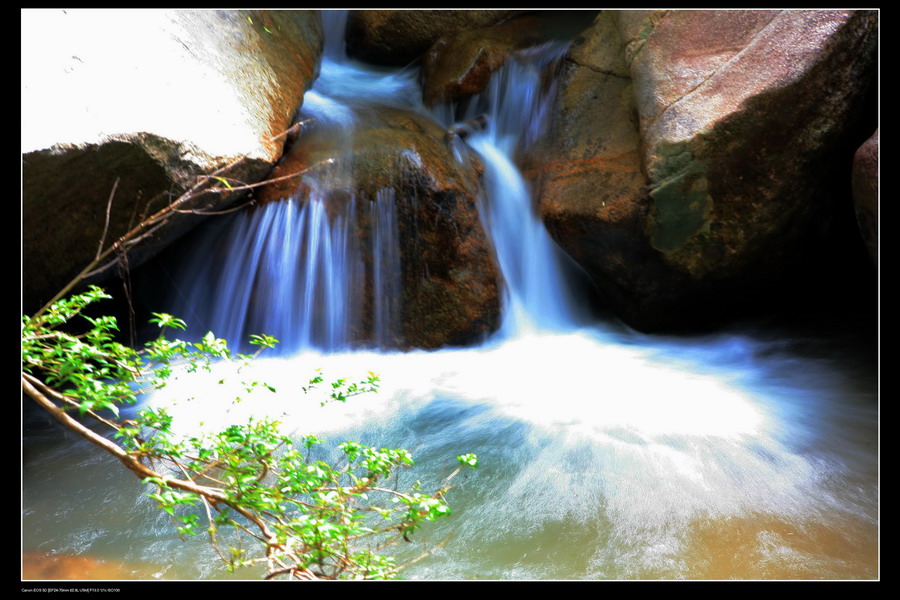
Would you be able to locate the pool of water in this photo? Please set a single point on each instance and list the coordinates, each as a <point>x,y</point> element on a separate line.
<point>604,455</point>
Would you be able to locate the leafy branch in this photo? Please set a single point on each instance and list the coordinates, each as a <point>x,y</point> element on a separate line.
<point>313,519</point>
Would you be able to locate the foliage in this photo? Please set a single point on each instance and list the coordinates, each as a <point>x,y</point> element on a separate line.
<point>249,482</point>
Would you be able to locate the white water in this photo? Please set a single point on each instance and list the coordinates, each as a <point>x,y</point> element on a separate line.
<point>601,457</point>
<point>538,293</point>
<point>604,454</point>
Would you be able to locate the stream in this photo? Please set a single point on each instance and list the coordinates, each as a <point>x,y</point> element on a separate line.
<point>604,453</point>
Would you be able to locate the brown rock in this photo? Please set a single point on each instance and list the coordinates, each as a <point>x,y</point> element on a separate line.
<point>865,192</point>
<point>737,124</point>
<point>742,118</point>
<point>449,280</point>
<point>460,66</point>
<point>588,170</point>
<point>398,37</point>
<point>151,99</point>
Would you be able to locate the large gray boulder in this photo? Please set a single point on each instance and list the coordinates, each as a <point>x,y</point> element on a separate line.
<point>151,99</point>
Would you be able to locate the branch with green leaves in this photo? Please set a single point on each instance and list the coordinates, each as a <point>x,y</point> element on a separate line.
<point>248,485</point>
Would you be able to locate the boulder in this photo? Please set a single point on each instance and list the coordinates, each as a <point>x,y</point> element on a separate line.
<point>587,170</point>
<point>719,181</point>
<point>865,192</point>
<point>459,66</point>
<point>150,99</point>
<point>449,281</point>
<point>398,37</point>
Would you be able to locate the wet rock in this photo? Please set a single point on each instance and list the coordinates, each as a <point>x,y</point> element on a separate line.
<point>742,119</point>
<point>865,192</point>
<point>151,99</point>
<point>587,171</point>
<point>450,285</point>
<point>459,66</point>
<point>398,37</point>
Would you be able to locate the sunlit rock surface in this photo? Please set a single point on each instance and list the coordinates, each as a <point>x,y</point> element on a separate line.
<point>587,171</point>
<point>151,98</point>
<point>744,119</point>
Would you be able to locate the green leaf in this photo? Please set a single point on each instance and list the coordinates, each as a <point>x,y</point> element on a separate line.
<point>469,460</point>
<point>222,180</point>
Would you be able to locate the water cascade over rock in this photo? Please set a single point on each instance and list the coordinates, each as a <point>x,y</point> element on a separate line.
<point>396,239</point>
<point>368,234</point>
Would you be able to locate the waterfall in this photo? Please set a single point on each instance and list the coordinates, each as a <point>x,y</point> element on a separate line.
<point>605,454</point>
<point>539,294</point>
<point>294,269</point>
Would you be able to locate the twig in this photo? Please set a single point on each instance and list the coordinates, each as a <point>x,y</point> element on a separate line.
<point>292,130</point>
<point>428,553</point>
<point>212,213</point>
<point>251,186</point>
<point>106,224</point>
<point>66,400</point>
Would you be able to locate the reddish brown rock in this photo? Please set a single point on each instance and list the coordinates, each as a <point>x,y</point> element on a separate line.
<point>865,192</point>
<point>730,187</point>
<point>587,171</point>
<point>398,37</point>
<point>459,66</point>
<point>737,120</point>
<point>450,283</point>
<point>151,99</point>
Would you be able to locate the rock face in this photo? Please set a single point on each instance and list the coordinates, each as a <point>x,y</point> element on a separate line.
<point>717,180</point>
<point>865,192</point>
<point>587,173</point>
<point>459,66</point>
<point>151,99</point>
<point>450,285</point>
<point>398,37</point>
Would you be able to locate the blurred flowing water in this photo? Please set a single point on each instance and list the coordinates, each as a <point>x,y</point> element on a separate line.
<point>605,454</point>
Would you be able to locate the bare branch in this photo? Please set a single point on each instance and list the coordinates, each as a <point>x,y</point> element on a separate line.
<point>140,231</point>
<point>428,553</point>
<point>291,131</point>
<point>106,223</point>
<point>212,213</point>
<point>251,186</point>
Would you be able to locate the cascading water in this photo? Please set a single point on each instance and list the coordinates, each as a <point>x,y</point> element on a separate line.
<point>533,266</point>
<point>604,454</point>
<point>292,271</point>
<point>294,268</point>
